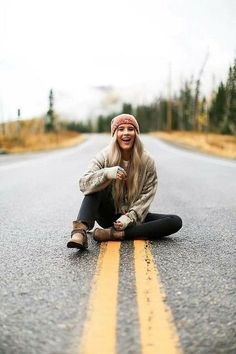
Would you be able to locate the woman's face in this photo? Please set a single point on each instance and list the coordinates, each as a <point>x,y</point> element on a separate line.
<point>126,136</point>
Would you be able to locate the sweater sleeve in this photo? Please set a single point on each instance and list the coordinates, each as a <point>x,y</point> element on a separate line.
<point>98,176</point>
<point>139,209</point>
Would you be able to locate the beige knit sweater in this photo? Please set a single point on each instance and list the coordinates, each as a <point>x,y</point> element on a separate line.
<point>100,175</point>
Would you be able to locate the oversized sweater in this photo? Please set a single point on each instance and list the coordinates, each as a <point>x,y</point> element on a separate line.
<point>100,175</point>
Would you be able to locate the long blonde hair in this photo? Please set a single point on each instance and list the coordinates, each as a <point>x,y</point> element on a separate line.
<point>135,166</point>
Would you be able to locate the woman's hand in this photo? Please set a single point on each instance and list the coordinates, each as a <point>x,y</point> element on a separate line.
<point>122,222</point>
<point>121,174</point>
<point>118,225</point>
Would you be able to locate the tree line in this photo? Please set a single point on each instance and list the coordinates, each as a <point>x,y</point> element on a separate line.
<point>186,111</point>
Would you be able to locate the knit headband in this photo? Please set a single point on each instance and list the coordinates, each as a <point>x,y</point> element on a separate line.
<point>123,119</point>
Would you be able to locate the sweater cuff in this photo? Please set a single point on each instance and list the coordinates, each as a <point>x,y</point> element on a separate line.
<point>111,172</point>
<point>125,220</point>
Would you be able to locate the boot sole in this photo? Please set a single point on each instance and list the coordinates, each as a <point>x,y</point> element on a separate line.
<point>72,244</point>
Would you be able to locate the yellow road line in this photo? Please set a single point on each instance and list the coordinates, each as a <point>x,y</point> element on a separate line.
<point>158,334</point>
<point>99,334</point>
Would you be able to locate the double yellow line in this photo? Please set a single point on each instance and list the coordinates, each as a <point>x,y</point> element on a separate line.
<point>157,330</point>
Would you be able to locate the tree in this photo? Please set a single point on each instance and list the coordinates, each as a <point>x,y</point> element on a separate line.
<point>217,113</point>
<point>223,108</point>
<point>230,121</point>
<point>187,103</point>
<point>127,108</point>
<point>100,124</point>
<point>51,119</point>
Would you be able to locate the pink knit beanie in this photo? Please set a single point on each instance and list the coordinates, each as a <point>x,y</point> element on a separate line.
<point>123,119</point>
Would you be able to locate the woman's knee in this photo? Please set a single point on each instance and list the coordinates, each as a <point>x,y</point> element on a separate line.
<point>177,221</point>
<point>93,196</point>
<point>104,223</point>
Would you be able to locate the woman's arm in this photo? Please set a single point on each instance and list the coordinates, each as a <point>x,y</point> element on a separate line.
<point>98,176</point>
<point>139,209</point>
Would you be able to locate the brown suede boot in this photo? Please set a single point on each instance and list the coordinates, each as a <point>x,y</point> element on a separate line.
<point>79,237</point>
<point>110,234</point>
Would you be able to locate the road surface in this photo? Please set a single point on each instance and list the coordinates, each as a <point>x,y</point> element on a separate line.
<point>46,288</point>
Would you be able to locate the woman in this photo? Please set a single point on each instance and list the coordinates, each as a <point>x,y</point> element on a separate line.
<point>119,188</point>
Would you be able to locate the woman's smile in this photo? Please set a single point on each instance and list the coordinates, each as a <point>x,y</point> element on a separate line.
<point>126,136</point>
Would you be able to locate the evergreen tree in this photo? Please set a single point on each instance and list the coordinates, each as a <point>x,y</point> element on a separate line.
<point>186,103</point>
<point>144,118</point>
<point>230,121</point>
<point>163,114</point>
<point>101,124</point>
<point>154,114</point>
<point>127,108</point>
<point>51,119</point>
<point>175,114</point>
<point>218,110</point>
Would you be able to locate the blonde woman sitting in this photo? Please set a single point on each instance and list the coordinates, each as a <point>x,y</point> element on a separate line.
<point>119,188</point>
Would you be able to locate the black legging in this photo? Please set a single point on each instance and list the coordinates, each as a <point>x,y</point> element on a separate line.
<point>154,226</point>
<point>100,207</point>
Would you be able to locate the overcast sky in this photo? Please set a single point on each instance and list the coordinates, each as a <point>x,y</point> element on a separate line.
<point>95,53</point>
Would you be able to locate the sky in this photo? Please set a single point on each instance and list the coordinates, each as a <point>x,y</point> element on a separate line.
<point>97,54</point>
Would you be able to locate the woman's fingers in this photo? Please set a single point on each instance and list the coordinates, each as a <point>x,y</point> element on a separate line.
<point>120,169</point>
<point>121,174</point>
<point>120,177</point>
<point>118,225</point>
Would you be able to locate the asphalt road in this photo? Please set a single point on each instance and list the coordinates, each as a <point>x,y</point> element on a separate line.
<point>44,286</point>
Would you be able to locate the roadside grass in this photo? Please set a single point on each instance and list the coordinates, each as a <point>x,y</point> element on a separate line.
<point>29,136</point>
<point>216,144</point>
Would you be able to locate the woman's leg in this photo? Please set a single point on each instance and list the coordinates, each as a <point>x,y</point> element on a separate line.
<point>154,226</point>
<point>98,207</point>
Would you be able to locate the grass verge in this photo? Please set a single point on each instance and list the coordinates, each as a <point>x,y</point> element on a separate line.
<point>215,144</point>
<point>39,141</point>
